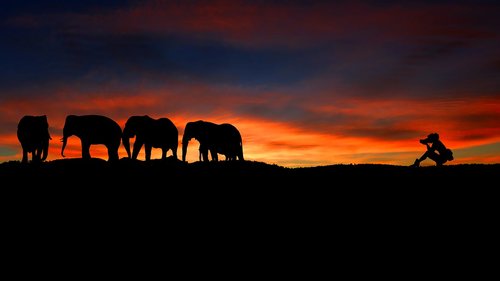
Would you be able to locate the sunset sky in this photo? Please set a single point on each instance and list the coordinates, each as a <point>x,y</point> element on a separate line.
<point>307,83</point>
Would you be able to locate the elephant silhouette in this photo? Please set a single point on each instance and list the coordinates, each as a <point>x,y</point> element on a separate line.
<point>33,134</point>
<point>93,129</point>
<point>157,133</point>
<point>216,138</point>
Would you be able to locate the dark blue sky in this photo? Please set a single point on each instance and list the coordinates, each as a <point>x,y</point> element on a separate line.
<point>312,66</point>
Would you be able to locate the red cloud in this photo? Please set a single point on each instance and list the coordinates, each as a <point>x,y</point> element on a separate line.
<point>327,128</point>
<point>268,23</point>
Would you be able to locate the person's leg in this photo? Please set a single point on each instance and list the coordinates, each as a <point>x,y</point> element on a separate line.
<point>440,159</point>
<point>418,160</point>
<point>436,158</point>
<point>416,163</point>
<point>428,154</point>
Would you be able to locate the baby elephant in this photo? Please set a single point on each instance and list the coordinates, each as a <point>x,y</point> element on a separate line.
<point>33,134</point>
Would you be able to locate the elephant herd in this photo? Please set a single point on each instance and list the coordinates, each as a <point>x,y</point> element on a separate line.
<point>33,134</point>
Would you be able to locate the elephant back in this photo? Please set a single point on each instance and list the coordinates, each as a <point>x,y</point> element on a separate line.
<point>229,140</point>
<point>101,122</point>
<point>166,123</point>
<point>33,128</point>
<point>229,133</point>
<point>162,132</point>
<point>97,128</point>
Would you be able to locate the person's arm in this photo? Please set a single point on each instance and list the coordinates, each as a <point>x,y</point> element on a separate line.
<point>433,147</point>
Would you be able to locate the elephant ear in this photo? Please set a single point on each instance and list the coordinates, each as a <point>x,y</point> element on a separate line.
<point>45,121</point>
<point>133,124</point>
<point>70,121</point>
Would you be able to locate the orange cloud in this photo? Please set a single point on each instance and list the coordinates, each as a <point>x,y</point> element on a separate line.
<point>326,129</point>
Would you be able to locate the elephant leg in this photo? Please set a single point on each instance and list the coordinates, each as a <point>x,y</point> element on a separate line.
<point>113,153</point>
<point>25,156</point>
<point>202,150</point>
<point>164,153</point>
<point>204,155</point>
<point>147,150</point>
<point>137,148</point>
<point>174,152</point>
<point>36,154</point>
<point>85,150</point>
<point>213,153</point>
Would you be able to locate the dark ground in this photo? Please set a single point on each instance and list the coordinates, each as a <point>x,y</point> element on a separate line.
<point>249,183</point>
<point>174,174</point>
<point>397,215</point>
<point>248,180</point>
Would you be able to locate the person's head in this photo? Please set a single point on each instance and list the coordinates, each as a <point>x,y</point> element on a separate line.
<point>430,138</point>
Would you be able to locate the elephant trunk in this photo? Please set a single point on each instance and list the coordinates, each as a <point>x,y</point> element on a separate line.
<point>64,141</point>
<point>45,149</point>
<point>126,144</point>
<point>126,135</point>
<point>184,150</point>
<point>185,141</point>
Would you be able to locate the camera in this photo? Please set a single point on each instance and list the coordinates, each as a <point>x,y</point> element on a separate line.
<point>430,138</point>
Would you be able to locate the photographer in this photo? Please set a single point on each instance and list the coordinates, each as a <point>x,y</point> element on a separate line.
<point>436,151</point>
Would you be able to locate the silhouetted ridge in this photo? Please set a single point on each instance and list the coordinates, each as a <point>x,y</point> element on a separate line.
<point>171,172</point>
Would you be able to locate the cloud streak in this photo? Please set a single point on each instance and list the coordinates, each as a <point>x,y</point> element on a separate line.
<point>276,128</point>
<point>307,82</point>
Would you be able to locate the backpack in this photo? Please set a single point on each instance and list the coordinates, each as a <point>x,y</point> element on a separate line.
<point>449,154</point>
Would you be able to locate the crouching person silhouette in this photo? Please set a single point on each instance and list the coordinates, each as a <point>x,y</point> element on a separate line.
<point>436,151</point>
